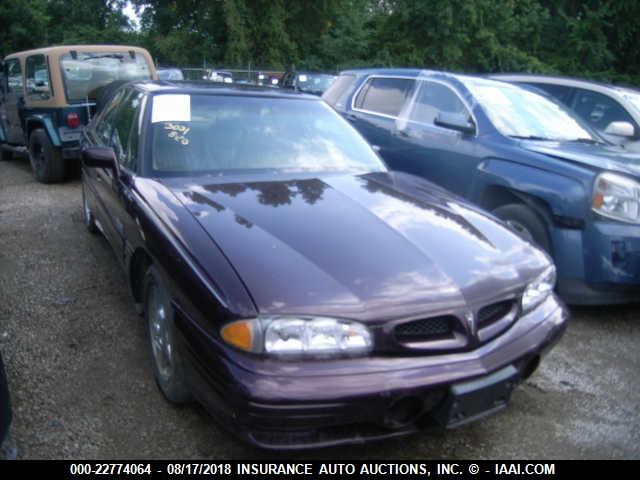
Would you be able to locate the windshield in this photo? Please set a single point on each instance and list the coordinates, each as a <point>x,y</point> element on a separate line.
<point>84,73</point>
<point>230,133</point>
<point>633,98</point>
<point>521,113</point>
<point>315,82</point>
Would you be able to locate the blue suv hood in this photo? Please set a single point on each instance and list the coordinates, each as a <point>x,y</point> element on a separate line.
<point>604,157</point>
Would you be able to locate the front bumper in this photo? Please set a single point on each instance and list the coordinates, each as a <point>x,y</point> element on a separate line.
<point>292,405</point>
<point>607,272</point>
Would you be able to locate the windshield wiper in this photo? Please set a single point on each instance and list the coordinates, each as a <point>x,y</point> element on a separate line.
<point>590,141</point>
<point>531,137</point>
<point>106,55</point>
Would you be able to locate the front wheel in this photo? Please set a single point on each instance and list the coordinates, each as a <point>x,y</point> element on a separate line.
<point>167,360</point>
<point>526,223</point>
<point>46,160</point>
<point>89,220</point>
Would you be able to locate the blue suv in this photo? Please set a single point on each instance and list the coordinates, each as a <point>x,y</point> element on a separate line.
<point>518,154</point>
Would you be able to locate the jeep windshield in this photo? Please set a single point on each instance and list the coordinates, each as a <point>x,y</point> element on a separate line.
<point>84,73</point>
<point>521,113</point>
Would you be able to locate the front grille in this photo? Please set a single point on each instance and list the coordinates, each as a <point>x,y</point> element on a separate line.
<point>425,329</point>
<point>490,314</point>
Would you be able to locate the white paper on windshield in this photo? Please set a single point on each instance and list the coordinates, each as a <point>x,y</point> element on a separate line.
<point>171,108</point>
<point>302,78</point>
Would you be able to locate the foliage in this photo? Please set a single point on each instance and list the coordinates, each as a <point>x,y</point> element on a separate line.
<point>588,38</point>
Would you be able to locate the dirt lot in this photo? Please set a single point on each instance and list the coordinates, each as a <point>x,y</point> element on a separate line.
<point>81,381</point>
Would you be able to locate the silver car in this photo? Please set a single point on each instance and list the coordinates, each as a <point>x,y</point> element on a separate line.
<point>612,111</point>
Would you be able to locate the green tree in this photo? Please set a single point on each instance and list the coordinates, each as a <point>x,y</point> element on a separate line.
<point>24,23</point>
<point>237,20</point>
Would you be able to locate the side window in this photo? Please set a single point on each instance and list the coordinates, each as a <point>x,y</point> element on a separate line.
<point>104,124</point>
<point>14,75</point>
<point>384,95</point>
<point>37,75</point>
<point>336,94</point>
<point>124,138</point>
<point>287,81</point>
<point>432,99</point>
<point>560,92</point>
<point>599,110</point>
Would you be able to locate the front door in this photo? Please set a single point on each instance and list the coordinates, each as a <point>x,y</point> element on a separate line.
<point>445,156</point>
<point>13,104</point>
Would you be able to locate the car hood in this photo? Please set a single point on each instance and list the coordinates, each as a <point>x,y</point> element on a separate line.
<point>605,157</point>
<point>368,247</point>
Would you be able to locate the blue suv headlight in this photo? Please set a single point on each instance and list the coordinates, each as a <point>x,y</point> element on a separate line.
<point>617,197</point>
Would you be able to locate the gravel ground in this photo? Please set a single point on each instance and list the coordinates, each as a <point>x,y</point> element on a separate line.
<point>81,380</point>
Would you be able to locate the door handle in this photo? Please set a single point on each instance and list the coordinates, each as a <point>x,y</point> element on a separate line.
<point>351,117</point>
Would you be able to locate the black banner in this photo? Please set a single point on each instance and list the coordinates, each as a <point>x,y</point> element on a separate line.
<point>441,470</point>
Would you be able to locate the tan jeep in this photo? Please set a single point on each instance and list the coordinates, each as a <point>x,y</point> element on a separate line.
<point>48,94</point>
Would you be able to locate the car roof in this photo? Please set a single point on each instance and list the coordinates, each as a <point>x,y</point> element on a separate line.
<point>455,78</point>
<point>312,72</point>
<point>68,48</point>
<point>211,88</point>
<point>562,80</point>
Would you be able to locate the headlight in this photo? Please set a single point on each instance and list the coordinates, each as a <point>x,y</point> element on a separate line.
<point>538,290</point>
<point>617,197</point>
<point>298,336</point>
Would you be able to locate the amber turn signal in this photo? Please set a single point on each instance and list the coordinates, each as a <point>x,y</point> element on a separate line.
<point>239,334</point>
<point>598,200</point>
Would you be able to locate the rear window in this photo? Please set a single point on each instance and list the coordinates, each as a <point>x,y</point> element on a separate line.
<point>84,73</point>
<point>384,95</point>
<point>337,93</point>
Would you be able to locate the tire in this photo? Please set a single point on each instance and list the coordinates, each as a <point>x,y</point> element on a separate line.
<point>46,160</point>
<point>526,223</point>
<point>168,365</point>
<point>73,169</point>
<point>6,155</point>
<point>89,220</point>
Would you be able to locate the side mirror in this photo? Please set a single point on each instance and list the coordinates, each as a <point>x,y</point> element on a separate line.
<point>455,121</point>
<point>99,157</point>
<point>620,129</point>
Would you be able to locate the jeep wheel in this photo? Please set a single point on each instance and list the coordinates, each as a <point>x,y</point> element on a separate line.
<point>6,154</point>
<point>46,160</point>
<point>526,223</point>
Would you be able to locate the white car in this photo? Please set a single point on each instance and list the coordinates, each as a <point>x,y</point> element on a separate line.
<point>613,111</point>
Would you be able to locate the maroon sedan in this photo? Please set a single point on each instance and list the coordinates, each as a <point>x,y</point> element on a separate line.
<point>303,293</point>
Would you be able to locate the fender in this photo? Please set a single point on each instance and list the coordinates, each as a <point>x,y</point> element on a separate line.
<point>564,198</point>
<point>44,120</point>
<point>186,268</point>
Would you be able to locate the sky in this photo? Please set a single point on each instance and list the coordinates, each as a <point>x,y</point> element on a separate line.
<point>130,12</point>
